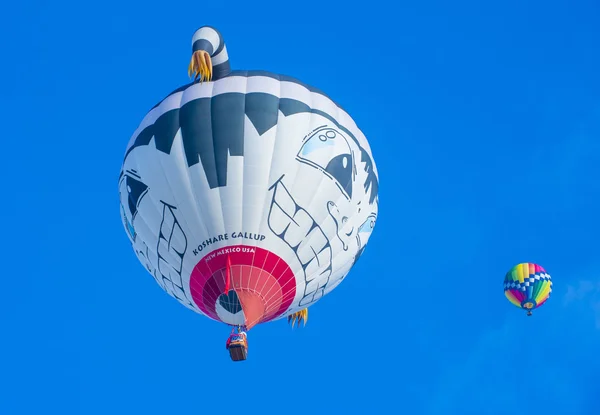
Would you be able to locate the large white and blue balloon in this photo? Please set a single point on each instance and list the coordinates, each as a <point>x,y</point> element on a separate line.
<point>247,195</point>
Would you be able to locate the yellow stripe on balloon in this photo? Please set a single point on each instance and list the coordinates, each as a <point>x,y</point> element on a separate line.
<point>523,272</point>
<point>544,292</point>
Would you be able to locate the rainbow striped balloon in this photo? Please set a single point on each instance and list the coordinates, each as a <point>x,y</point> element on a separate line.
<point>527,286</point>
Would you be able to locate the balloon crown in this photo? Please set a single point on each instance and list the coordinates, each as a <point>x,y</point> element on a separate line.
<point>209,60</point>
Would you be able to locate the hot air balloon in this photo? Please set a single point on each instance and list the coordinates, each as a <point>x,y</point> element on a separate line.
<point>247,195</point>
<point>527,286</point>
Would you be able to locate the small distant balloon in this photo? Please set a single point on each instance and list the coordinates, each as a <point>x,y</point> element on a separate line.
<point>527,286</point>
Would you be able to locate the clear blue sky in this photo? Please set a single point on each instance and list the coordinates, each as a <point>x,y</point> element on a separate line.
<point>484,121</point>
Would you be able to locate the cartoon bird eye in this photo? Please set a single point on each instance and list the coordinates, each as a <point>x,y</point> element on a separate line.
<point>329,151</point>
<point>368,225</point>
<point>135,190</point>
<point>131,192</point>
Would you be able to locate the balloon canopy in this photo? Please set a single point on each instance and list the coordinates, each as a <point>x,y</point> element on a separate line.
<point>527,286</point>
<point>247,195</point>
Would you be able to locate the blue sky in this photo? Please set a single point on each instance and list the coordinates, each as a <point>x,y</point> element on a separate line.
<point>484,121</point>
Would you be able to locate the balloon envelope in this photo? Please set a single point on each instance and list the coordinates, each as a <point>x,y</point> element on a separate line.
<point>527,285</point>
<point>249,197</point>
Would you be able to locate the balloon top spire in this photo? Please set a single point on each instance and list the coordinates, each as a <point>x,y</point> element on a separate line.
<point>209,61</point>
